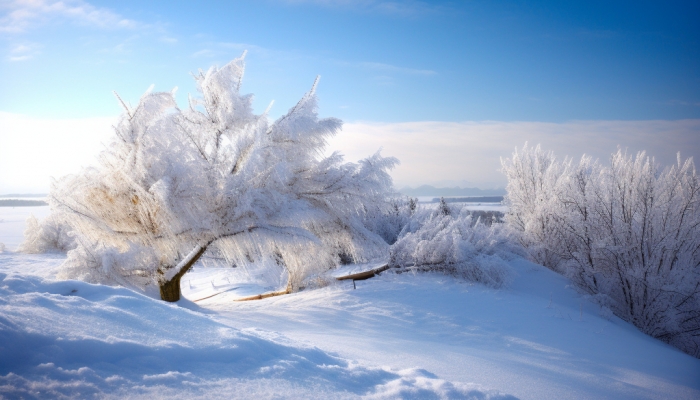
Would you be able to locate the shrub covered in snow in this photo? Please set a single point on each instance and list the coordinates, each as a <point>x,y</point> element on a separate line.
<point>451,239</point>
<point>388,222</point>
<point>175,183</point>
<point>50,234</point>
<point>628,233</point>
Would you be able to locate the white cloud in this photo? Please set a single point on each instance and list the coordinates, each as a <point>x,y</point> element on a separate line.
<point>405,8</point>
<point>18,16</point>
<point>23,51</point>
<point>245,46</point>
<point>33,150</point>
<point>168,39</point>
<point>431,152</point>
<point>204,53</point>
<point>212,49</point>
<point>392,68</point>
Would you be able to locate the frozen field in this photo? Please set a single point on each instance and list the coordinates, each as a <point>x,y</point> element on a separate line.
<point>394,336</point>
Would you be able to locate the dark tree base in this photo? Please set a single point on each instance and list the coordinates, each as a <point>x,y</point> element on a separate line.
<point>170,291</point>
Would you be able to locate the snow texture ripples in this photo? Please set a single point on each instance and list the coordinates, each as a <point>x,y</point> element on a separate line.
<point>69,339</point>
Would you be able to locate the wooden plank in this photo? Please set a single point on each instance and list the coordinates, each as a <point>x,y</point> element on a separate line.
<point>360,276</point>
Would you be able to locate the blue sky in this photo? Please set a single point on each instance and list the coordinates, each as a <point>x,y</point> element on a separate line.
<point>381,62</point>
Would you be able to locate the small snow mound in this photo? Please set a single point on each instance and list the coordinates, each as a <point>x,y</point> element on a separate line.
<point>420,384</point>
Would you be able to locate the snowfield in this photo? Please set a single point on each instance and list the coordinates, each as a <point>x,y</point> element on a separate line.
<point>394,336</point>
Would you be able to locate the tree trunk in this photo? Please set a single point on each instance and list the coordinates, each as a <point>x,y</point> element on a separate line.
<point>170,289</point>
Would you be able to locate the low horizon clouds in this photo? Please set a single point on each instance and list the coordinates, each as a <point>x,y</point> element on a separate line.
<point>430,152</point>
<point>34,150</point>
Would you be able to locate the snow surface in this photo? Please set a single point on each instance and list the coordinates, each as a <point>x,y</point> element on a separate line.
<point>232,283</point>
<point>395,336</point>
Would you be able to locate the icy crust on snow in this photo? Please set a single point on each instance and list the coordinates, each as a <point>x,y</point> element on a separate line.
<point>68,339</point>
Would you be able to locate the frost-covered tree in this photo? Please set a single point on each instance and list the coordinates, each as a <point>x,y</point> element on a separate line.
<point>533,175</point>
<point>174,184</point>
<point>628,233</point>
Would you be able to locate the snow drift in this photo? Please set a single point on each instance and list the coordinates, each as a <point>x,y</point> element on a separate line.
<point>69,339</point>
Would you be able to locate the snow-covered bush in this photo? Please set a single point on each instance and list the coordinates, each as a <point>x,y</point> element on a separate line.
<point>533,175</point>
<point>388,222</point>
<point>628,233</point>
<point>450,239</point>
<point>175,183</point>
<point>50,234</point>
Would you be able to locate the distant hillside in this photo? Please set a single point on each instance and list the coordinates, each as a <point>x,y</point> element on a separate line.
<point>14,196</point>
<point>22,203</point>
<point>427,190</point>
<point>470,199</point>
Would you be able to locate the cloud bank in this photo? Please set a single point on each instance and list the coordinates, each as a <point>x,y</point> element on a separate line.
<point>33,150</point>
<point>434,152</point>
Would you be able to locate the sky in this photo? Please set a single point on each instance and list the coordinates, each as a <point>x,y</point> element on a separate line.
<point>447,87</point>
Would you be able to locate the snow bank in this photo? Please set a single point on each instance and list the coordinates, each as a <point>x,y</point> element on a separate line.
<point>535,339</point>
<point>68,339</point>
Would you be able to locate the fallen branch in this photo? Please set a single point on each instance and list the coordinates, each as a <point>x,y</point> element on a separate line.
<point>265,295</point>
<point>360,276</point>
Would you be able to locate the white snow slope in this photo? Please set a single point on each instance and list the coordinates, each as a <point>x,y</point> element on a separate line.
<point>395,336</point>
